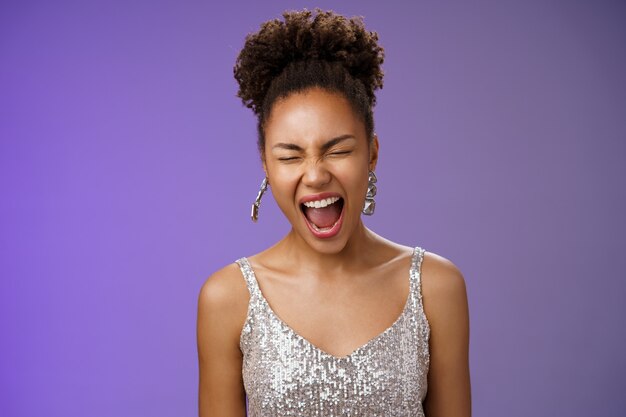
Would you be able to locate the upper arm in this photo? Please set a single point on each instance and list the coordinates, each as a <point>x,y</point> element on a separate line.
<point>221,313</point>
<point>446,308</point>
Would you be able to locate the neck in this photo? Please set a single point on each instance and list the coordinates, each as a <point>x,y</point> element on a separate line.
<point>306,257</point>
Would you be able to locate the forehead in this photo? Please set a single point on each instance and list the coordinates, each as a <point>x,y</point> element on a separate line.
<point>311,117</point>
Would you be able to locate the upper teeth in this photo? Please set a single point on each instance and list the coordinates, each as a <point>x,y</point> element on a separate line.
<point>321,203</point>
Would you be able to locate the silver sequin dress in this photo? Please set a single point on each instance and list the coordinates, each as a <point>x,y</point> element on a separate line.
<point>285,375</point>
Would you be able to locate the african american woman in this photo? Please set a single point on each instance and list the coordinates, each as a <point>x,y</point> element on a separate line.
<point>333,319</point>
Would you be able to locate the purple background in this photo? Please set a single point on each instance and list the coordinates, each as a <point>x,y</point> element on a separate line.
<point>128,166</point>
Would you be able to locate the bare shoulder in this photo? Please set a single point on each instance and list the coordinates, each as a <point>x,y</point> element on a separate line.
<point>224,290</point>
<point>224,294</point>
<point>440,276</point>
<point>222,310</point>
<point>443,287</point>
<point>446,308</point>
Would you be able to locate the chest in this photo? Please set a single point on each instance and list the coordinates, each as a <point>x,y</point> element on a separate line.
<point>338,318</point>
<point>285,374</point>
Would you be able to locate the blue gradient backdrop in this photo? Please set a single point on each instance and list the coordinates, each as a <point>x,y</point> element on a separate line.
<point>128,166</point>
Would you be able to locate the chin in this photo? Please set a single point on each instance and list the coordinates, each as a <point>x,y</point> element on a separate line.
<point>327,247</point>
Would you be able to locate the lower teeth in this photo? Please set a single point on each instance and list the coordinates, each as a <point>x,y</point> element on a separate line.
<point>324,229</point>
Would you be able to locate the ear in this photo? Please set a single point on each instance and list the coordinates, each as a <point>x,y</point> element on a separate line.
<point>373,153</point>
<point>264,165</point>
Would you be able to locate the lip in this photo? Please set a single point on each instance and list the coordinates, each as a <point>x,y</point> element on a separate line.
<point>336,227</point>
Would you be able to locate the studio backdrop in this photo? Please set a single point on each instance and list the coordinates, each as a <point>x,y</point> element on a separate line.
<point>128,166</point>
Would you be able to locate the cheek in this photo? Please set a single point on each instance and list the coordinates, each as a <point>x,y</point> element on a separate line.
<point>283,183</point>
<point>284,178</point>
<point>352,175</point>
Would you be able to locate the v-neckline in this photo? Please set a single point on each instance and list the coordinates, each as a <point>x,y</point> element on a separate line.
<point>320,351</point>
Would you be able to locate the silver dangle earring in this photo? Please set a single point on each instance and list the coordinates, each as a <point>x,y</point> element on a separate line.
<point>257,202</point>
<point>370,204</point>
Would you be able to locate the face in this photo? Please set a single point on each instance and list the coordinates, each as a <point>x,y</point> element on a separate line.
<point>317,157</point>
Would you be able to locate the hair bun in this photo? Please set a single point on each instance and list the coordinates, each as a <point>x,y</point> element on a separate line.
<point>305,36</point>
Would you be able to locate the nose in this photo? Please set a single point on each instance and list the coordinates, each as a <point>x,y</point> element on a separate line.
<point>315,174</point>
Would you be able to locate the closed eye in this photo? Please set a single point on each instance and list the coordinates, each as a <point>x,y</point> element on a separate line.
<point>340,152</point>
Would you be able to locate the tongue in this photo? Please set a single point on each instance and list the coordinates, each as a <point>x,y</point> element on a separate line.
<point>323,217</point>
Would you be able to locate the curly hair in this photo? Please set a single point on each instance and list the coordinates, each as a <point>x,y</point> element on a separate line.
<point>308,50</point>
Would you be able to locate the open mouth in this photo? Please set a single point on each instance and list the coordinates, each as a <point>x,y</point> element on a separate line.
<point>323,216</point>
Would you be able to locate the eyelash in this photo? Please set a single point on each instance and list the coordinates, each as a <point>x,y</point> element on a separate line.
<point>292,158</point>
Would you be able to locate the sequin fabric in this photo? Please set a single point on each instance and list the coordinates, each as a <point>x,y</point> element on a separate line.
<point>286,375</point>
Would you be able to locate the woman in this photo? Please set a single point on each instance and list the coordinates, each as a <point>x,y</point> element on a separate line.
<point>333,319</point>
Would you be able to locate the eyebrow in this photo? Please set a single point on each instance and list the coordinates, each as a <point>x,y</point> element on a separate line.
<point>329,144</point>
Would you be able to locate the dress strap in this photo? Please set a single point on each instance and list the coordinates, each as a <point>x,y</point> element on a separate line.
<point>416,271</point>
<point>248,274</point>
